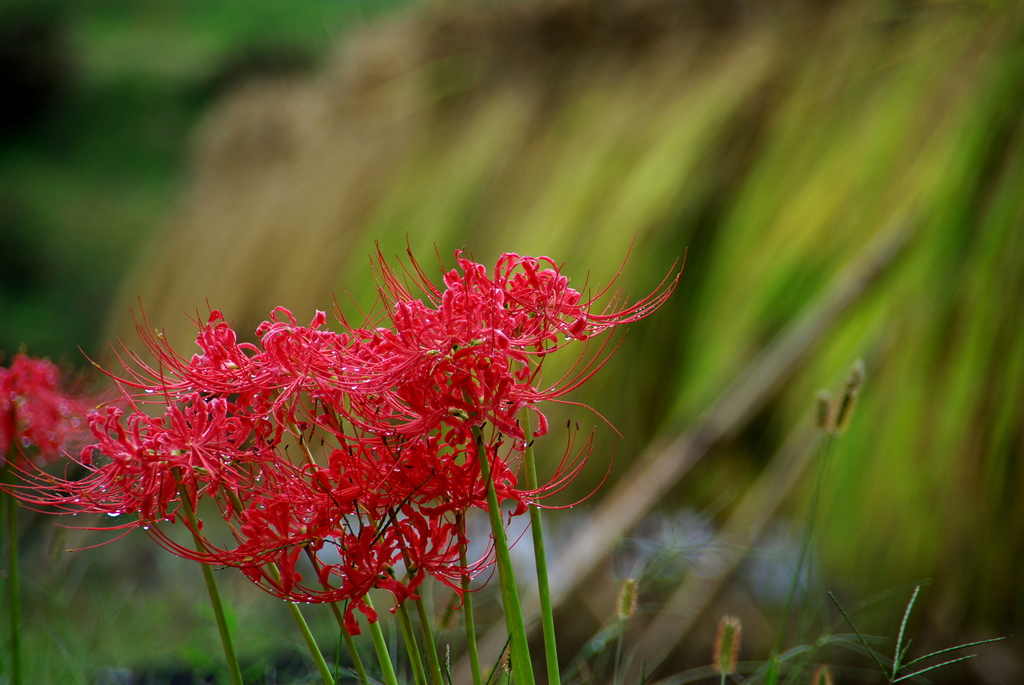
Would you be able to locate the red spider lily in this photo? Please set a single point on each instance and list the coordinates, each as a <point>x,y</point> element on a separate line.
<point>35,416</point>
<point>137,464</point>
<point>293,359</point>
<point>473,350</point>
<point>398,413</point>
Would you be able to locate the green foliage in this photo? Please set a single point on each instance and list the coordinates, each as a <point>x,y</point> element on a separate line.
<point>90,176</point>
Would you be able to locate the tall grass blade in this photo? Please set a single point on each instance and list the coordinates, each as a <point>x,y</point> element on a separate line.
<point>951,649</point>
<point>860,637</point>
<point>932,668</point>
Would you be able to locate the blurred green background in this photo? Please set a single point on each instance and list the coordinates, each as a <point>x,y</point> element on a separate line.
<point>244,155</point>
<point>103,98</point>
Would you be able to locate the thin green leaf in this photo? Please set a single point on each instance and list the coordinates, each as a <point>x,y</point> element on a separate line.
<point>771,675</point>
<point>864,642</point>
<point>790,653</point>
<point>848,637</point>
<point>773,667</point>
<point>932,668</point>
<point>951,649</point>
<point>897,656</point>
<point>855,646</point>
<point>494,669</point>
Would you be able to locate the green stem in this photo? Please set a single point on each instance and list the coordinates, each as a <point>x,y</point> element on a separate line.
<point>234,671</point>
<point>618,653</point>
<point>418,674</point>
<point>467,605</point>
<point>307,635</point>
<point>13,582</point>
<point>350,644</point>
<point>546,614</point>
<point>521,663</point>
<point>428,637</point>
<point>346,636</point>
<point>824,453</point>
<point>428,633</point>
<point>3,540</point>
<point>311,645</point>
<point>381,645</point>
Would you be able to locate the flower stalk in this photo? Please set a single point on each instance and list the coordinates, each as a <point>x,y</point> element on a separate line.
<point>522,666</point>
<point>546,614</point>
<point>467,603</point>
<point>413,647</point>
<point>381,646</point>
<point>429,645</point>
<point>314,649</point>
<point>13,578</point>
<point>234,671</point>
<point>350,644</point>
<point>307,634</point>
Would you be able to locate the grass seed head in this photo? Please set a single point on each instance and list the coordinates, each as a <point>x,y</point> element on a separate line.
<point>725,656</point>
<point>823,410</point>
<point>625,606</point>
<point>853,383</point>
<point>822,676</point>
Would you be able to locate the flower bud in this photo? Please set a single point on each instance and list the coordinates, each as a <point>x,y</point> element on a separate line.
<point>459,414</point>
<point>725,656</point>
<point>625,606</point>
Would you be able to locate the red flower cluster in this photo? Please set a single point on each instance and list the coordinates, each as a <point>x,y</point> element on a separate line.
<point>356,451</point>
<point>35,417</point>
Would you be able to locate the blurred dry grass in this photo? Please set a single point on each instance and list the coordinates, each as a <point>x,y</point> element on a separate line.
<point>769,142</point>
